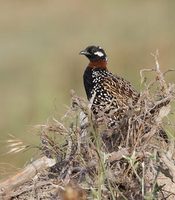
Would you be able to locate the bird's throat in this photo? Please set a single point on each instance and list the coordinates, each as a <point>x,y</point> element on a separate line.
<point>98,64</point>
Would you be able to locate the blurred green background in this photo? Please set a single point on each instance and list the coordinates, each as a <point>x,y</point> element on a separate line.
<point>39,62</point>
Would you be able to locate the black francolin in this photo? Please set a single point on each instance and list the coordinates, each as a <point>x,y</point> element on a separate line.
<point>113,100</point>
<point>109,94</point>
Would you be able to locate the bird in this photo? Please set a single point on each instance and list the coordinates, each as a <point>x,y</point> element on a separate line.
<point>109,94</point>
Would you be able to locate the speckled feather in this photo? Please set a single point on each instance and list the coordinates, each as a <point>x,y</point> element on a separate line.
<point>109,89</point>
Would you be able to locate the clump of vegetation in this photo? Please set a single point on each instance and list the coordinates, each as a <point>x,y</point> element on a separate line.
<point>134,160</point>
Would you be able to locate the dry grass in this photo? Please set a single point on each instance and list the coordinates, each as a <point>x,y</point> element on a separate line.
<point>93,162</point>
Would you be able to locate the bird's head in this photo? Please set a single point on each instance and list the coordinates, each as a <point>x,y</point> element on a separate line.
<point>94,53</point>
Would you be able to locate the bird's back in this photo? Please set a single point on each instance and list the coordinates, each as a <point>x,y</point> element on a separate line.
<point>105,88</point>
<point>110,95</point>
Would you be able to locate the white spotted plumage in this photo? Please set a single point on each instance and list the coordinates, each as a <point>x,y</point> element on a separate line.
<point>110,98</point>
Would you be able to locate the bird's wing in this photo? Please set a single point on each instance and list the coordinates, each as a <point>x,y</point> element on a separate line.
<point>121,89</point>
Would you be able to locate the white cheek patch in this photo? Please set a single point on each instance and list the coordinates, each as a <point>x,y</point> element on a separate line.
<point>99,53</point>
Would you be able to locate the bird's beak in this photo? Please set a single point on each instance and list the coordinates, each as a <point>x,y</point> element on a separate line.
<point>84,52</point>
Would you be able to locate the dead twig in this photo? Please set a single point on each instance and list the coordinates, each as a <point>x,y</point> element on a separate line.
<point>9,185</point>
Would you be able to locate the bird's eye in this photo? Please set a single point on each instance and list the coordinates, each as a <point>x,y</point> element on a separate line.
<point>93,50</point>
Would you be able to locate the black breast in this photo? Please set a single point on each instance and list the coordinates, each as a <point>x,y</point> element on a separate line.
<point>93,79</point>
<point>88,82</point>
